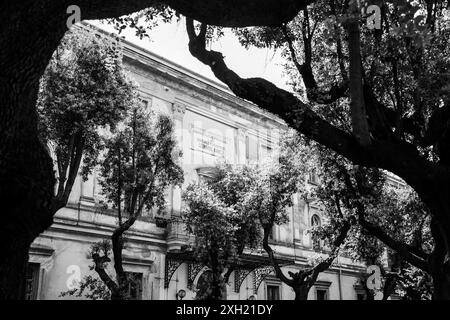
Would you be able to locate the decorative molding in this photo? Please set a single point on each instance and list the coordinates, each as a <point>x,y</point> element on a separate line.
<point>41,250</point>
<point>194,269</point>
<point>259,275</point>
<point>140,261</point>
<point>178,110</point>
<point>170,268</point>
<point>239,277</point>
<point>198,87</point>
<point>242,133</point>
<point>322,284</point>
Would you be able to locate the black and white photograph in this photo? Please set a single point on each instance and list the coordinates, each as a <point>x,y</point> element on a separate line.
<point>225,154</point>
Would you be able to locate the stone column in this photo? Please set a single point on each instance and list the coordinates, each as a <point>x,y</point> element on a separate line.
<point>177,236</point>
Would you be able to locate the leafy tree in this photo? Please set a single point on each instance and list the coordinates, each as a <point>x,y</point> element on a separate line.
<point>376,97</point>
<point>84,88</point>
<point>138,166</point>
<point>210,221</point>
<point>240,206</point>
<point>221,226</point>
<point>31,32</point>
<point>398,143</point>
<point>271,194</point>
<point>385,216</point>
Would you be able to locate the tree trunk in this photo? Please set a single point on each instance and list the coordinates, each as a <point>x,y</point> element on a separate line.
<point>439,262</point>
<point>301,292</point>
<point>26,184</point>
<point>357,106</point>
<point>30,31</point>
<point>27,179</point>
<point>441,286</point>
<point>217,284</point>
<point>13,270</point>
<point>217,281</point>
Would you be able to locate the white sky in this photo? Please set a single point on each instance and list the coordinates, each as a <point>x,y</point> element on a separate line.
<point>171,42</point>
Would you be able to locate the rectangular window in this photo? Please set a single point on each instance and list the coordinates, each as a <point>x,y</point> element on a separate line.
<point>251,143</point>
<point>247,148</point>
<point>32,281</point>
<point>321,294</point>
<point>134,285</point>
<point>273,292</point>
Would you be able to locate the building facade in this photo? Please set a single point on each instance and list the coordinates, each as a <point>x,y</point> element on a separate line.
<point>212,125</point>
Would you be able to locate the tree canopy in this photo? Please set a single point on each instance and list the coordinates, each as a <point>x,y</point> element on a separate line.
<point>364,93</point>
<point>138,165</point>
<point>83,90</point>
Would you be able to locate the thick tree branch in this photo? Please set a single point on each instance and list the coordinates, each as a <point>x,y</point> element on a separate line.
<point>279,273</point>
<point>117,244</point>
<point>337,242</point>
<point>399,157</point>
<point>409,253</point>
<point>276,100</point>
<point>99,262</point>
<point>358,107</point>
<point>339,48</point>
<point>236,13</point>
<point>405,251</point>
<point>74,166</point>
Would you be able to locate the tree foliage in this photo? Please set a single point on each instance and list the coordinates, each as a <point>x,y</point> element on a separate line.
<point>138,166</point>
<point>378,97</point>
<point>389,214</point>
<point>239,207</point>
<point>221,226</point>
<point>84,89</point>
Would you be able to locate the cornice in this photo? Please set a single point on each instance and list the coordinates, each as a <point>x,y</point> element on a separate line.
<point>69,229</point>
<point>202,89</point>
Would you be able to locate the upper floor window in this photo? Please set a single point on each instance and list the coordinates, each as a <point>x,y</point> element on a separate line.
<point>251,149</point>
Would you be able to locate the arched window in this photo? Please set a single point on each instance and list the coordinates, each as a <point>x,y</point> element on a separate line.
<point>315,222</point>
